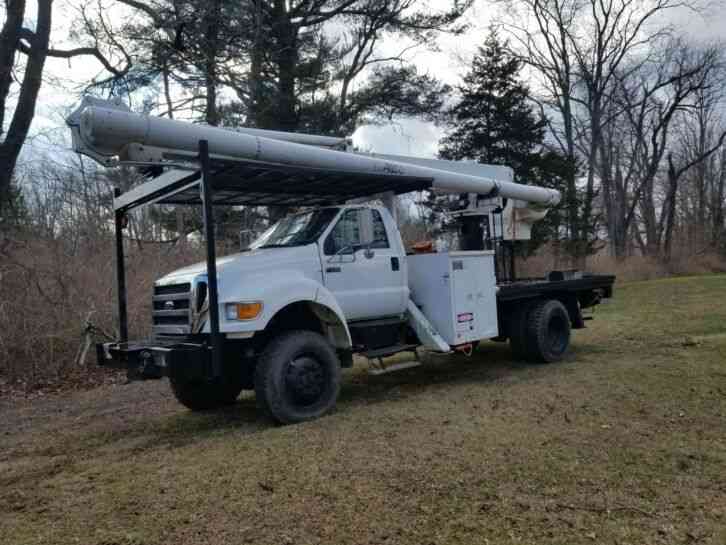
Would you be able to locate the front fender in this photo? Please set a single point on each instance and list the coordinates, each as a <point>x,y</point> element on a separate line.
<point>277,290</point>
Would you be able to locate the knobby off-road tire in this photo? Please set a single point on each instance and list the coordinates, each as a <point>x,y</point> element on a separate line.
<point>203,395</point>
<point>297,377</point>
<point>548,331</point>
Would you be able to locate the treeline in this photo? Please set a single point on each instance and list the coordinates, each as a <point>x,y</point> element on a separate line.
<point>636,108</point>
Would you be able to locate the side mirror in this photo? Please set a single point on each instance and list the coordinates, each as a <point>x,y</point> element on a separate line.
<point>350,250</point>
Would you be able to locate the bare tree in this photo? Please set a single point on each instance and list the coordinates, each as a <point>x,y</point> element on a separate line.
<point>690,165</point>
<point>578,47</point>
<point>35,46</point>
<point>647,109</point>
<point>700,192</point>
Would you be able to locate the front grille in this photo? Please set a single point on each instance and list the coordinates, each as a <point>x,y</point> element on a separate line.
<point>172,289</point>
<point>178,304</point>
<point>172,312</point>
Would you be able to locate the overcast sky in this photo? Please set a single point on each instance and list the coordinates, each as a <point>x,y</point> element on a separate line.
<point>409,137</point>
<point>406,137</point>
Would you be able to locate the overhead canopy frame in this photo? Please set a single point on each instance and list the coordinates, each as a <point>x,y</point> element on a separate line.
<point>254,183</point>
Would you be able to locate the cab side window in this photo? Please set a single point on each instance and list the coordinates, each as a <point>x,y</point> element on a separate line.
<point>380,238</point>
<point>345,236</point>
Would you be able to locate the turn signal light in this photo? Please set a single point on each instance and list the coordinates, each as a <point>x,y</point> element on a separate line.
<point>243,311</point>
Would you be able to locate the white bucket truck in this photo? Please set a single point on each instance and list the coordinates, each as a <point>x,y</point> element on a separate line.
<point>330,281</point>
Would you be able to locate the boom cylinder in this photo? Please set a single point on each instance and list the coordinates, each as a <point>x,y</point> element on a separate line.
<point>103,132</point>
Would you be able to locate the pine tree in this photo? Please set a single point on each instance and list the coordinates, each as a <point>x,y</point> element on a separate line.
<point>494,123</point>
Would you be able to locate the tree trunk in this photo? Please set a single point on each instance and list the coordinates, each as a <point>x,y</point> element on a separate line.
<point>670,205</point>
<point>256,65</point>
<point>621,209</point>
<point>572,222</point>
<point>213,14</point>
<point>650,222</point>
<point>167,91</point>
<point>718,212</point>
<point>607,190</point>
<point>699,227</point>
<point>9,37</point>
<point>32,80</point>
<point>586,216</point>
<point>286,42</point>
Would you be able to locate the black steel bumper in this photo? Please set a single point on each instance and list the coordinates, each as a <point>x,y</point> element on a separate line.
<point>145,360</point>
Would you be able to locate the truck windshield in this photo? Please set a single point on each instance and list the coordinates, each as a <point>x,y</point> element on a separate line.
<point>296,229</point>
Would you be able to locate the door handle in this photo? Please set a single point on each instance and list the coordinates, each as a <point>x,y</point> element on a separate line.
<point>332,269</point>
<point>395,264</point>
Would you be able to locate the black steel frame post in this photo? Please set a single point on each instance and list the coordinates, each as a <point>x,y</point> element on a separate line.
<point>123,320</point>
<point>207,195</point>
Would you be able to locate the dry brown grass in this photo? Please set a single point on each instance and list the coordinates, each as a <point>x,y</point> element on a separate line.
<point>633,268</point>
<point>48,290</point>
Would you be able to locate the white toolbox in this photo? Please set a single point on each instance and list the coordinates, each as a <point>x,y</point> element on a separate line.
<point>457,292</point>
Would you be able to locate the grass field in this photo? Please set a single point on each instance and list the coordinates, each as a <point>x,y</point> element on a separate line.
<point>624,442</point>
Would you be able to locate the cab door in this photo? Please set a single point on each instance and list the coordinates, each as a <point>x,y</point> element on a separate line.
<point>362,268</point>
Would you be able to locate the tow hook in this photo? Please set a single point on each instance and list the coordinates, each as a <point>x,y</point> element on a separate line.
<point>147,368</point>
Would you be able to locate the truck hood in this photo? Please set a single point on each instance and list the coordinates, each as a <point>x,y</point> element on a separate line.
<point>265,259</point>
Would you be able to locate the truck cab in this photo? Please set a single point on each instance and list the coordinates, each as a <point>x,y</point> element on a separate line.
<point>363,263</point>
<point>348,260</point>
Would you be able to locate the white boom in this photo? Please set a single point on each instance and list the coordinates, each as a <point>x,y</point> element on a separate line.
<point>105,130</point>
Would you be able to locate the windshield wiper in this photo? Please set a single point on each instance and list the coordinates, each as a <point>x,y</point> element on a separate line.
<point>278,246</point>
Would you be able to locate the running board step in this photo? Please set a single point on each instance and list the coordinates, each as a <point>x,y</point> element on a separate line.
<point>389,351</point>
<point>376,371</point>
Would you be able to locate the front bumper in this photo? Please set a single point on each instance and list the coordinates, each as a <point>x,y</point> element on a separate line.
<point>145,360</point>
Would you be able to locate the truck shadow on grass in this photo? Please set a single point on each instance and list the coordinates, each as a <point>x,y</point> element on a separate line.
<point>491,365</point>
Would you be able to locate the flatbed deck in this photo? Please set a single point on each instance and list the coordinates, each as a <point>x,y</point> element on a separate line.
<point>527,289</point>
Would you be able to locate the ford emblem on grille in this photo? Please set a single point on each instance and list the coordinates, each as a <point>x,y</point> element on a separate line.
<point>169,305</point>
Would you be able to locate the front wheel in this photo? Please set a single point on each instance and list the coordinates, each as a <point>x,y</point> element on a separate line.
<point>297,377</point>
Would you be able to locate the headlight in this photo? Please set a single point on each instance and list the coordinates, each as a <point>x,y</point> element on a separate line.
<point>243,311</point>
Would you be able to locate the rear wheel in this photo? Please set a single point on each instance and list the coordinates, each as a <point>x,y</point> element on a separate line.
<point>548,331</point>
<point>297,377</point>
<point>518,331</point>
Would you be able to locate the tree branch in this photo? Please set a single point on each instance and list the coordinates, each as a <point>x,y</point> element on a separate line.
<point>77,52</point>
